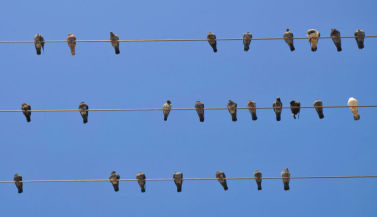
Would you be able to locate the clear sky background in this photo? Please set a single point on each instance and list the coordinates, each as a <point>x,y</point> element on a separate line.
<point>145,75</point>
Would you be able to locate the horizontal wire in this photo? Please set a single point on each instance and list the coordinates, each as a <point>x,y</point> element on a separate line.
<point>179,40</point>
<point>198,179</point>
<point>185,109</point>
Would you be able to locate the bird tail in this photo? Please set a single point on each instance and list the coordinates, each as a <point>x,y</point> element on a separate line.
<point>165,117</point>
<point>339,48</point>
<point>201,118</point>
<point>117,51</point>
<point>321,116</point>
<point>73,51</point>
<point>143,189</point>
<point>116,187</point>
<point>314,48</point>
<point>85,119</point>
<point>225,187</point>
<point>356,117</point>
<point>214,46</point>
<point>254,116</point>
<point>234,117</point>
<point>179,188</point>
<point>28,119</point>
<point>360,44</point>
<point>286,186</point>
<point>38,51</point>
<point>294,116</point>
<point>292,47</point>
<point>259,186</point>
<point>278,116</point>
<point>20,190</point>
<point>246,47</point>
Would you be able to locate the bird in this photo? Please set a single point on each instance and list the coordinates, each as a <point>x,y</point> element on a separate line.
<point>199,107</point>
<point>286,175</point>
<point>295,108</point>
<point>220,175</point>
<point>258,179</point>
<point>18,181</point>
<point>278,107</point>
<point>26,110</point>
<point>178,180</point>
<point>359,36</point>
<point>353,103</point>
<point>114,179</point>
<point>115,42</point>
<point>84,111</point>
<point>141,180</point>
<point>39,43</point>
<point>72,43</point>
<point>318,105</point>
<point>335,35</point>
<point>166,109</point>
<point>211,37</point>
<point>252,108</point>
<point>232,108</point>
<point>246,40</point>
<point>288,37</point>
<point>313,36</point>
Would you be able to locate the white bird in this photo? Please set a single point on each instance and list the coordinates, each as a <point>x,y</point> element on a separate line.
<point>353,103</point>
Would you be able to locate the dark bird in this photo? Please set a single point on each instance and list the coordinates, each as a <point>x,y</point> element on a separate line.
<point>84,111</point>
<point>318,105</point>
<point>141,180</point>
<point>252,109</point>
<point>220,175</point>
<point>295,108</point>
<point>39,43</point>
<point>115,42</point>
<point>114,179</point>
<point>26,109</point>
<point>211,37</point>
<point>246,40</point>
<point>166,109</point>
<point>286,175</point>
<point>335,35</point>
<point>178,180</point>
<point>278,107</point>
<point>18,181</point>
<point>258,179</point>
<point>313,36</point>
<point>72,43</point>
<point>232,108</point>
<point>359,36</point>
<point>288,37</point>
<point>199,106</point>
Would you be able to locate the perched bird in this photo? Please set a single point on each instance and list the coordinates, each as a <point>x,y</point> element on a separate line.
<point>114,179</point>
<point>211,37</point>
<point>288,37</point>
<point>359,36</point>
<point>319,108</point>
<point>26,110</point>
<point>178,180</point>
<point>18,181</point>
<point>166,109</point>
<point>313,36</point>
<point>232,108</point>
<point>278,107</point>
<point>252,108</point>
<point>285,175</point>
<point>84,111</point>
<point>39,43</point>
<point>141,180</point>
<point>295,108</point>
<point>246,40</point>
<point>258,179</point>
<point>115,42</point>
<point>335,35</point>
<point>199,106</point>
<point>353,103</point>
<point>72,43</point>
<point>220,175</point>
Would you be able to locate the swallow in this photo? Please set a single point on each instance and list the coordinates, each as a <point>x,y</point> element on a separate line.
<point>18,181</point>
<point>232,108</point>
<point>258,179</point>
<point>26,109</point>
<point>199,107</point>
<point>246,40</point>
<point>360,36</point>
<point>288,38</point>
<point>39,43</point>
<point>178,180</point>
<point>252,109</point>
<point>318,105</point>
<point>166,109</point>
<point>313,36</point>
<point>286,176</point>
<point>115,42</point>
<point>141,180</point>
<point>211,37</point>
<point>220,175</point>
<point>84,111</point>
<point>72,43</point>
<point>353,104</point>
<point>295,108</point>
<point>335,35</point>
<point>278,107</point>
<point>114,179</point>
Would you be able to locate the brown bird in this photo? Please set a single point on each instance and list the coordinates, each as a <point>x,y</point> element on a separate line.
<point>335,35</point>
<point>141,180</point>
<point>166,109</point>
<point>84,111</point>
<point>199,106</point>
<point>232,108</point>
<point>211,37</point>
<point>288,38</point>
<point>26,110</point>
<point>246,40</point>
<point>359,36</point>
<point>295,108</point>
<point>39,43</point>
<point>252,109</point>
<point>18,181</point>
<point>115,42</point>
<point>178,180</point>
<point>313,36</point>
<point>72,43</point>
<point>318,105</point>
<point>114,179</point>
<point>220,175</point>
<point>278,107</point>
<point>286,176</point>
<point>258,179</point>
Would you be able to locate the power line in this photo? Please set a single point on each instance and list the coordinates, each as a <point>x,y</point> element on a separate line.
<point>179,40</point>
<point>196,179</point>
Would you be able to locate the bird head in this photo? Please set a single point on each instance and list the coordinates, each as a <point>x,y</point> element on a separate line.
<point>168,102</point>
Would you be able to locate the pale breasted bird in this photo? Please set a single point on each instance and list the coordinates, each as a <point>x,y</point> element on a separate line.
<point>258,179</point>
<point>83,107</point>
<point>199,107</point>
<point>114,179</point>
<point>232,108</point>
<point>295,108</point>
<point>286,176</point>
<point>252,109</point>
<point>72,43</point>
<point>360,36</point>
<point>18,181</point>
<point>39,43</point>
<point>278,107</point>
<point>220,175</point>
<point>318,105</point>
<point>141,180</point>
<point>313,36</point>
<point>26,109</point>
<point>353,104</point>
<point>115,42</point>
<point>178,180</point>
<point>211,37</point>
<point>335,35</point>
<point>288,38</point>
<point>166,109</point>
<point>246,40</point>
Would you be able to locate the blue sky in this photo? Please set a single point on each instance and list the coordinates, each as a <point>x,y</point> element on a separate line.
<point>145,75</point>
